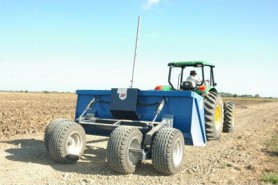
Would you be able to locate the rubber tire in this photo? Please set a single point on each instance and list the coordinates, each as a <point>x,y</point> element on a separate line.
<point>59,141</point>
<point>118,155</point>
<point>49,129</point>
<point>211,101</point>
<point>229,119</point>
<point>163,151</point>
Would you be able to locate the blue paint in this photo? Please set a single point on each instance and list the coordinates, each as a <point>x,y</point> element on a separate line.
<point>186,106</point>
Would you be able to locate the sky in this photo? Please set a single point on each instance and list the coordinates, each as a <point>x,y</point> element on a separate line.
<point>65,45</point>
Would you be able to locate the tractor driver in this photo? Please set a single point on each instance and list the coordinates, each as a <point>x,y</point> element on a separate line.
<point>193,77</point>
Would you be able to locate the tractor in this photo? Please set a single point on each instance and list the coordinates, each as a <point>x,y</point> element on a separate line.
<point>213,102</point>
<point>145,124</point>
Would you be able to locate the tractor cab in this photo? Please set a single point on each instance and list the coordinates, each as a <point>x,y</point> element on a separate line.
<point>203,82</point>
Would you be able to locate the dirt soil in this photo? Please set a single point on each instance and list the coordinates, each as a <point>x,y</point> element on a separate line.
<point>237,158</point>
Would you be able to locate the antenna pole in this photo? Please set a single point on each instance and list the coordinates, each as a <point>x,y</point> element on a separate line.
<point>135,52</point>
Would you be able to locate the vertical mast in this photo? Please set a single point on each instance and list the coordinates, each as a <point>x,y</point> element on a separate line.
<point>135,52</point>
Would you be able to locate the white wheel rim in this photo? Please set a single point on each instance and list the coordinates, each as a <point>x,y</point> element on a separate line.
<point>134,145</point>
<point>74,144</point>
<point>178,152</point>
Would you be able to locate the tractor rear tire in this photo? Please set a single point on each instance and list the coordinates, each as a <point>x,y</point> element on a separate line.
<point>67,142</point>
<point>49,129</point>
<point>213,115</point>
<point>229,117</point>
<point>120,157</point>
<point>168,151</point>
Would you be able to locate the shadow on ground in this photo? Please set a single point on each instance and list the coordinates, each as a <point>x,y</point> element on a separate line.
<point>92,162</point>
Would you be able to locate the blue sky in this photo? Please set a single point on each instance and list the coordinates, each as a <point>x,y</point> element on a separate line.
<point>64,45</point>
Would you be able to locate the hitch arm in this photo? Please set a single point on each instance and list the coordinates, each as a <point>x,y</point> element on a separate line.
<point>160,107</point>
<point>87,108</point>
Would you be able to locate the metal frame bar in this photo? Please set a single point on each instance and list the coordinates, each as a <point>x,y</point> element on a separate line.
<point>111,124</point>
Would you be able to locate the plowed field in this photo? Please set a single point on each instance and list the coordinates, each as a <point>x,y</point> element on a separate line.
<point>27,113</point>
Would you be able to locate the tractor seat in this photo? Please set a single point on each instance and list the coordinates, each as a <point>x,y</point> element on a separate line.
<point>188,85</point>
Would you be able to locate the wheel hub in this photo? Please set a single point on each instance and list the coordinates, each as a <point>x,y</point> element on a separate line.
<point>133,146</point>
<point>217,116</point>
<point>177,153</point>
<point>74,144</point>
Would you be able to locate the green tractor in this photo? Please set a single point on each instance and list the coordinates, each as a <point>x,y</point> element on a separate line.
<point>219,116</point>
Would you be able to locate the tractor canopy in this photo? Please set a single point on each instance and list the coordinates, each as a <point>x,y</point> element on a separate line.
<point>205,71</point>
<point>183,64</point>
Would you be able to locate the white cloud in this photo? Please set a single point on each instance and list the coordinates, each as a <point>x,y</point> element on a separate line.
<point>150,3</point>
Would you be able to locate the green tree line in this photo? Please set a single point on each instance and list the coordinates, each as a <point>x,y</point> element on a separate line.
<point>225,94</point>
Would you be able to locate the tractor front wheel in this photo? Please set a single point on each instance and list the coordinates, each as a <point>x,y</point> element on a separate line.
<point>168,151</point>
<point>229,117</point>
